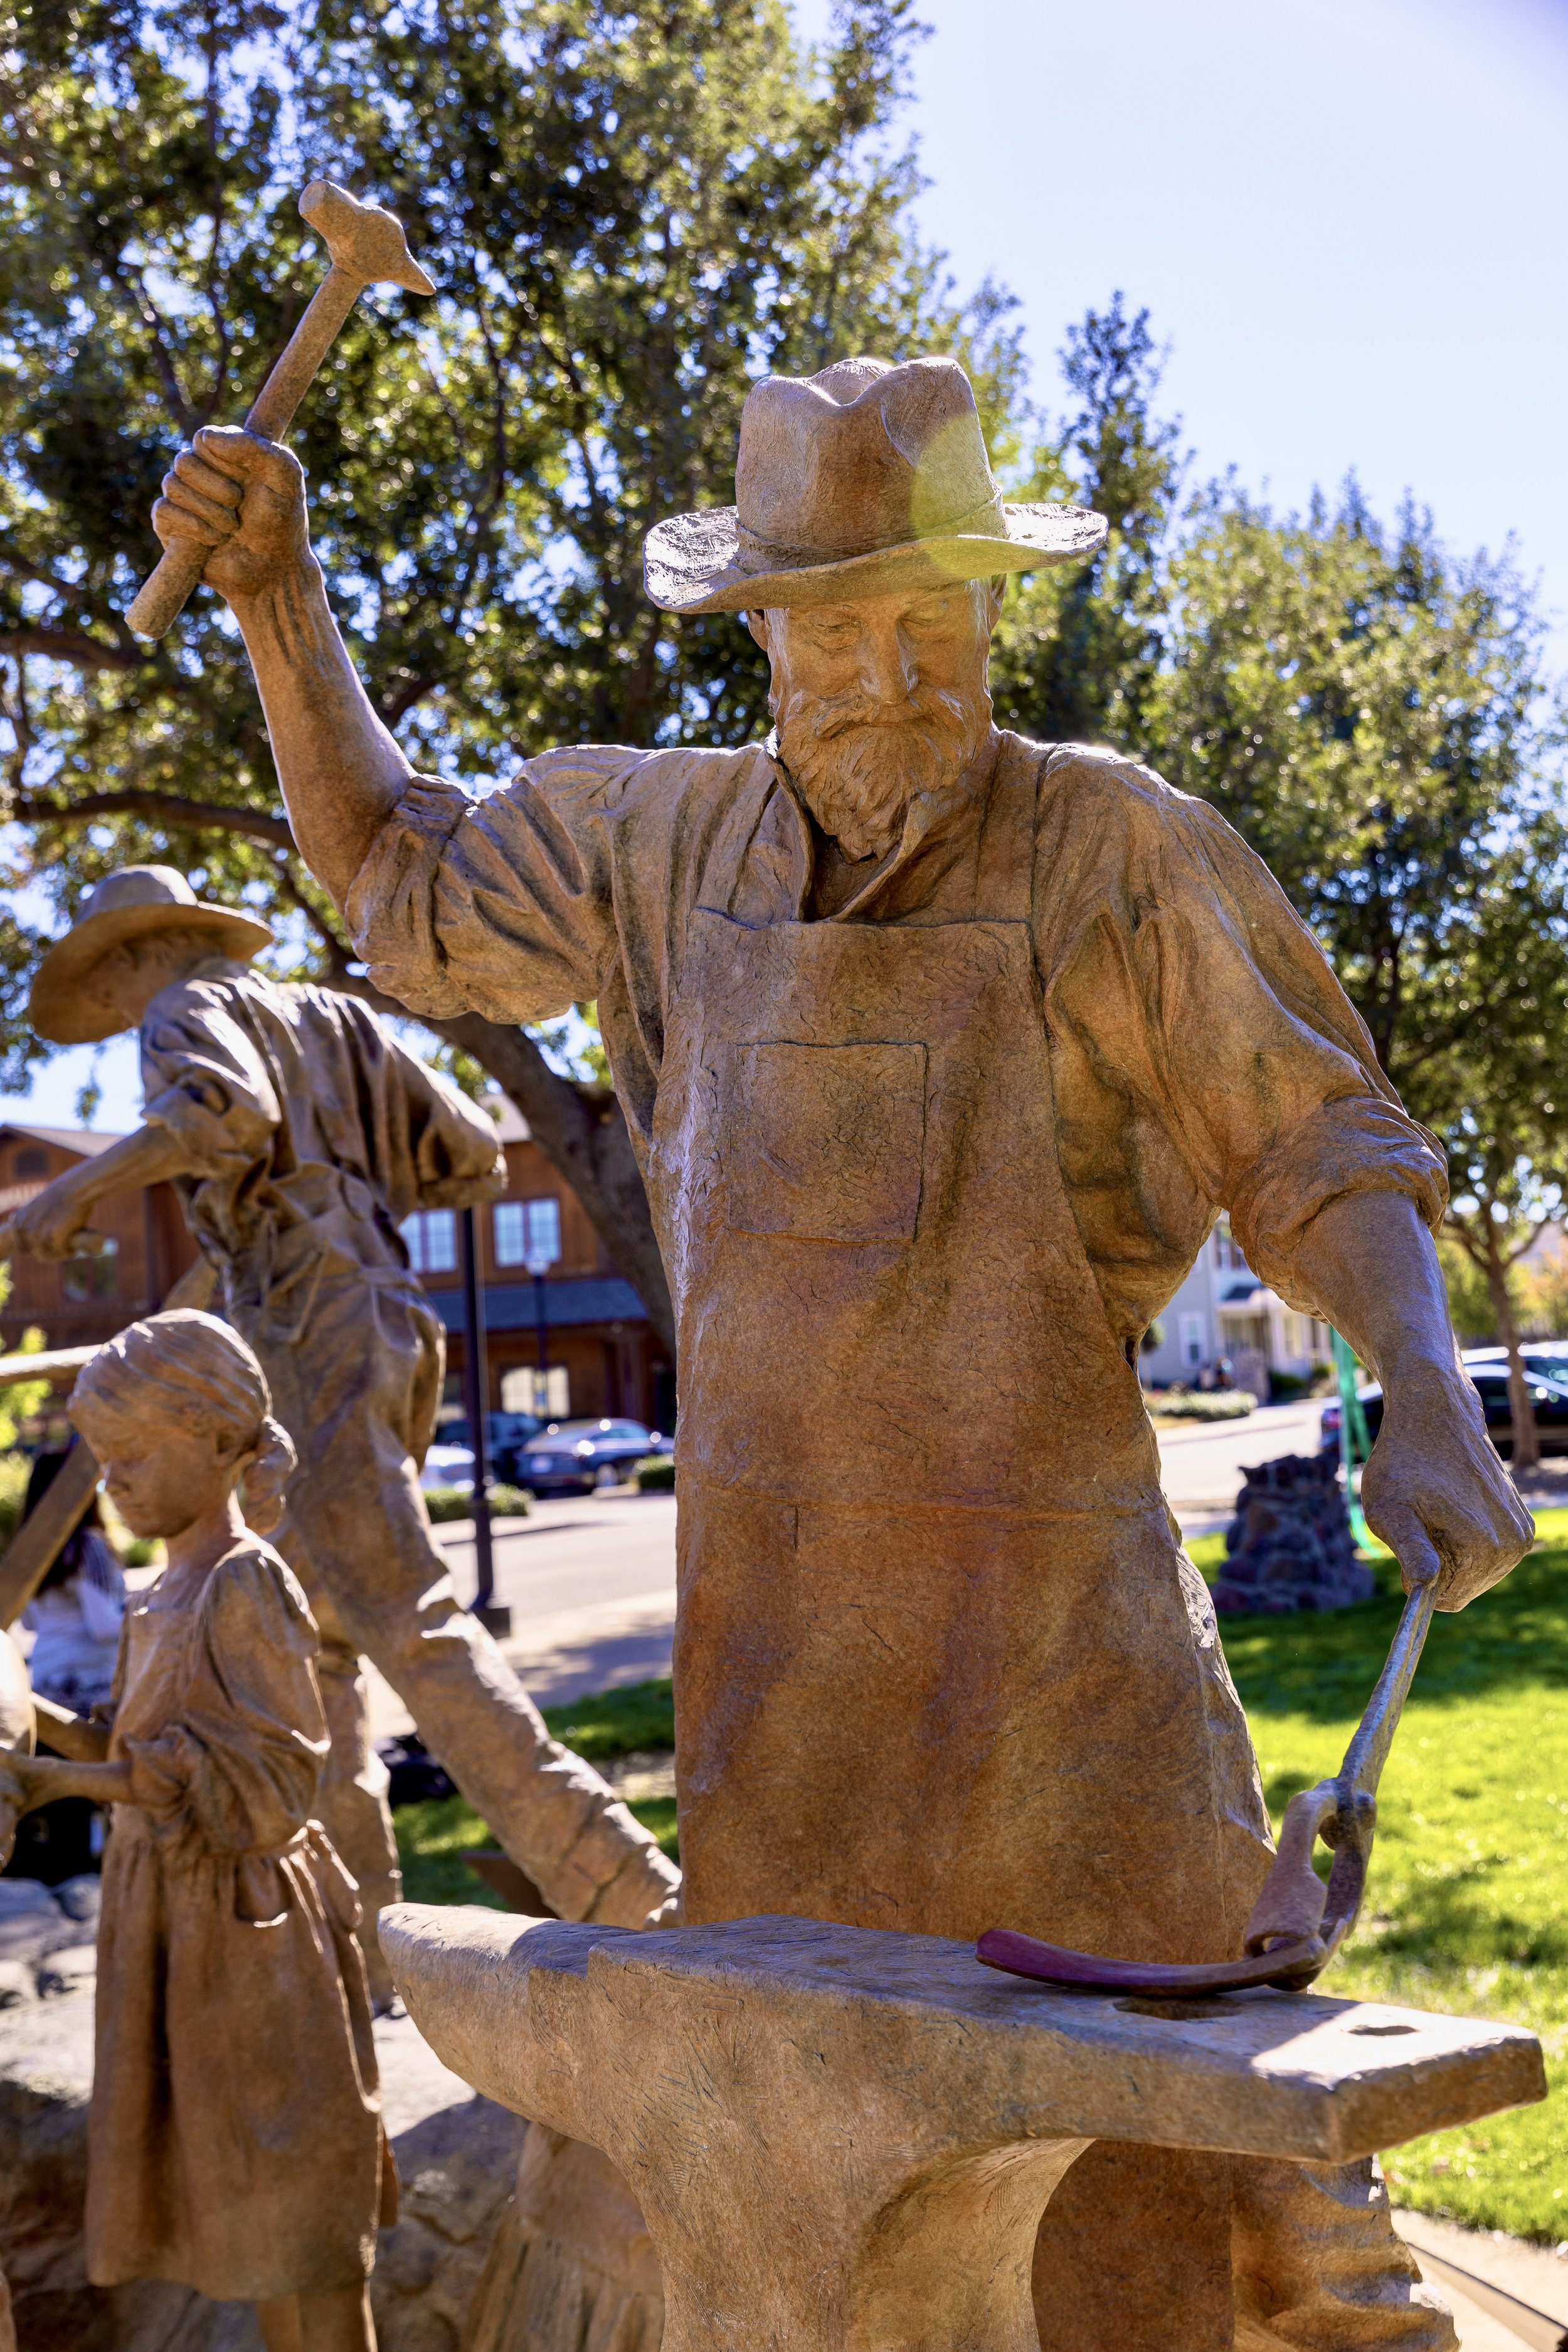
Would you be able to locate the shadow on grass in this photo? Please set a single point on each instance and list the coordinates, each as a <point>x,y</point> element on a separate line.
<point>1324,1667</point>
<point>1460,1920</point>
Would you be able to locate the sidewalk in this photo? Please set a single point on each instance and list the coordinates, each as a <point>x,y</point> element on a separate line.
<point>1536,2276</point>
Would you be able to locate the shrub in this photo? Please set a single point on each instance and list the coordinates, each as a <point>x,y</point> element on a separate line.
<point>655,1475</point>
<point>1215,1404</point>
<point>446,1502</point>
<point>14,1472</point>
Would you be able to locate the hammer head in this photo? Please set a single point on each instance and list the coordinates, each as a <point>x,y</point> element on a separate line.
<point>363,241</point>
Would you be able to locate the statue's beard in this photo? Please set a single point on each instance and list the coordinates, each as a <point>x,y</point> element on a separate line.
<point>860,763</point>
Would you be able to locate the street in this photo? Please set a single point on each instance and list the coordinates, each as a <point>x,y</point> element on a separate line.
<point>590,1580</point>
<point>1202,1464</point>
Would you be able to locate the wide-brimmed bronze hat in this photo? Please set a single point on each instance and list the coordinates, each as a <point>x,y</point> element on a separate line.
<point>126,906</point>
<point>863,481</point>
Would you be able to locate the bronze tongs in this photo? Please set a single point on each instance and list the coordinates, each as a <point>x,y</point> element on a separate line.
<point>1298,1921</point>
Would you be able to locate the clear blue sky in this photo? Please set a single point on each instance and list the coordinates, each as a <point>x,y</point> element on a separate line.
<point>1347,219</point>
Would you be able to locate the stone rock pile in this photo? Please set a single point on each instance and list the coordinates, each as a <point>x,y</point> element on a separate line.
<point>1289,1548</point>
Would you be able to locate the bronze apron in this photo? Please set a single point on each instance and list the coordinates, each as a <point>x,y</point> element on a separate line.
<point>937,1667</point>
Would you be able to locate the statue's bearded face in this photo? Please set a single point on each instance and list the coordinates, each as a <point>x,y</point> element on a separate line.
<point>878,702</point>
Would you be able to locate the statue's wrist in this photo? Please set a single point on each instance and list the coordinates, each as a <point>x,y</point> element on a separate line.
<point>288,615</point>
<point>298,582</point>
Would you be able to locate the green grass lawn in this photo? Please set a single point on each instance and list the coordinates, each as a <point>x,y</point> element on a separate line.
<point>1468,1901</point>
<point>1467,1904</point>
<point>432,1837</point>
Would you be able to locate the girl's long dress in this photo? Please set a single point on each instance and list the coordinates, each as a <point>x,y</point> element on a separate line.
<point>235,2141</point>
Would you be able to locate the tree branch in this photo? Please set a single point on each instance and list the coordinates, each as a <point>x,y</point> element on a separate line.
<point>73,645</point>
<point>198,816</point>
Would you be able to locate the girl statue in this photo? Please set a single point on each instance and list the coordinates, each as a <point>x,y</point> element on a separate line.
<point>235,2141</point>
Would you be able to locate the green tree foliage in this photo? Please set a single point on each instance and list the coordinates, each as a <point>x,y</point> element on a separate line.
<point>630,217</point>
<point>1079,650</point>
<point>1374,716</point>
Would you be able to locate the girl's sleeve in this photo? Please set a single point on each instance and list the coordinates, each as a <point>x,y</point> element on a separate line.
<point>239,1770</point>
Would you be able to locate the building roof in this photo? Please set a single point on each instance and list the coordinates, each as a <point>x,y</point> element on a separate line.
<point>88,1142</point>
<point>510,1125</point>
<point>594,1298</point>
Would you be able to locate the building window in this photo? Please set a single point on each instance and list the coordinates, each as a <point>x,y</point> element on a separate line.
<point>1228,1254</point>
<point>1192,1342</point>
<point>431,1238</point>
<point>548,1395</point>
<point>527,1229</point>
<point>32,1162</point>
<point>95,1276</point>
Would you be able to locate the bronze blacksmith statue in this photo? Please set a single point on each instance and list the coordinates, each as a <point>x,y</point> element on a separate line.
<point>942,1051</point>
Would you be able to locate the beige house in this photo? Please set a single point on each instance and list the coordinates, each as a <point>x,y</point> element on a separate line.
<point>1222,1312</point>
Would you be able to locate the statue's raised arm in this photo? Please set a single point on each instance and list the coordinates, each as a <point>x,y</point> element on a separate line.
<point>341,771</point>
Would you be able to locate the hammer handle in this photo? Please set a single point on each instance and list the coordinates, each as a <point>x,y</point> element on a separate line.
<point>163,596</point>
<point>272,410</point>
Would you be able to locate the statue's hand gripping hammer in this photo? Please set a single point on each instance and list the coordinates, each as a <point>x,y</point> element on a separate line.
<point>367,247</point>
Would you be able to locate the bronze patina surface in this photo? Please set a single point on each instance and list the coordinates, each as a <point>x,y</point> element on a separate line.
<point>942,1050</point>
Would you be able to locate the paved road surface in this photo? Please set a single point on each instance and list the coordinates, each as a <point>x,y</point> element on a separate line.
<point>1200,1466</point>
<point>591,1580</point>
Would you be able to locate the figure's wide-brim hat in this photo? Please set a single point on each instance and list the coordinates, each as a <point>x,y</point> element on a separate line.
<point>866,480</point>
<point>126,906</point>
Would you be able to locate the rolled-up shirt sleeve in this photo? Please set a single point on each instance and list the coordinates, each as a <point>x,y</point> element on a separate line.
<point>1198,996</point>
<point>500,906</point>
<point>205,1082</point>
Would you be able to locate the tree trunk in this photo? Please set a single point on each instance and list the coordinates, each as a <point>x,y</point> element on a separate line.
<point>1521,1403</point>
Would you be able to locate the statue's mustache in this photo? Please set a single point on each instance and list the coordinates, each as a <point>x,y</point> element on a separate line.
<point>831,715</point>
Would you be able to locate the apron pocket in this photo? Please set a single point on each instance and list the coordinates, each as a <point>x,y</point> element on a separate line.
<point>823,1142</point>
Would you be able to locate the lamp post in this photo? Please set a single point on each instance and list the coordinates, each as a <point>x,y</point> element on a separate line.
<point>538,1262</point>
<point>492,1615</point>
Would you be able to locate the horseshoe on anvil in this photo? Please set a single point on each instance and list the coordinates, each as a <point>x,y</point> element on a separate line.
<point>1298,1923</point>
<point>367,248</point>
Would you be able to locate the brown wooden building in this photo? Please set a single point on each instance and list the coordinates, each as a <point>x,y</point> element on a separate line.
<point>79,1301</point>
<point>602,1355</point>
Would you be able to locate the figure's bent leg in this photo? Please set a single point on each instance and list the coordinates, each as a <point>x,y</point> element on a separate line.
<point>1319,2267</point>
<point>354,1807</point>
<point>348,1397</point>
<point>352,1800</point>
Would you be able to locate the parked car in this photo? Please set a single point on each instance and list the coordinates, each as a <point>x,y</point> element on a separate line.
<point>447,1466</point>
<point>575,1456</point>
<point>1547,1365</point>
<point>506,1435</point>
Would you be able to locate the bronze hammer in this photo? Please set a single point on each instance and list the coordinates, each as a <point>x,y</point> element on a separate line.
<point>367,247</point>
